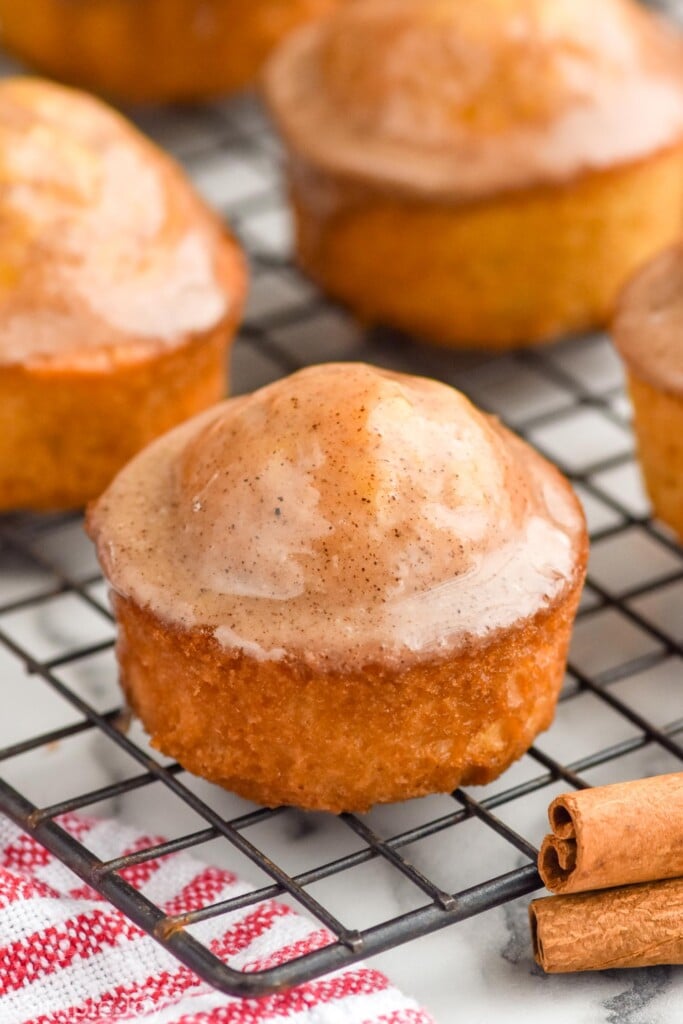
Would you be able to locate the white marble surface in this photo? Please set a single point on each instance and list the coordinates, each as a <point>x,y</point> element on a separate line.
<point>481,970</point>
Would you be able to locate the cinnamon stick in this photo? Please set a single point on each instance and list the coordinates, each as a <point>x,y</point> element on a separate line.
<point>614,835</point>
<point>637,926</point>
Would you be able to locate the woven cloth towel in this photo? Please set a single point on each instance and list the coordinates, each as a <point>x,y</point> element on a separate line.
<point>68,957</point>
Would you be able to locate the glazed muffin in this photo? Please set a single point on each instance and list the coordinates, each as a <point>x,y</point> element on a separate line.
<point>349,587</point>
<point>152,50</point>
<point>648,332</point>
<point>119,293</point>
<point>483,174</point>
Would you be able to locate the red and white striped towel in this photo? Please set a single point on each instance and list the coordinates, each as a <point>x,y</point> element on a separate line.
<point>67,956</point>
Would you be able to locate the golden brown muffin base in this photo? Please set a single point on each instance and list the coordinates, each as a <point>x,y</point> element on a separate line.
<point>516,269</point>
<point>66,433</point>
<point>152,50</point>
<point>278,732</point>
<point>659,434</point>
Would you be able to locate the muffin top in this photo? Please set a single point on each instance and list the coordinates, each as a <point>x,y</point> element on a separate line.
<point>105,250</point>
<point>462,99</point>
<point>648,325</point>
<point>342,516</point>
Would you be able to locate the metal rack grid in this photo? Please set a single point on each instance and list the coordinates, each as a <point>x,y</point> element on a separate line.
<point>566,399</point>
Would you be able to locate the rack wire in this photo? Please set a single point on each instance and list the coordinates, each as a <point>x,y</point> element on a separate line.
<point>568,401</point>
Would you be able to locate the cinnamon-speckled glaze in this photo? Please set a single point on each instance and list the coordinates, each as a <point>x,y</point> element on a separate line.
<point>462,100</point>
<point>342,516</point>
<point>106,254</point>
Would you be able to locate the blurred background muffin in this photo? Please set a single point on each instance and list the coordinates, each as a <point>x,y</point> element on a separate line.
<point>119,294</point>
<point>648,332</point>
<point>482,173</point>
<point>152,50</point>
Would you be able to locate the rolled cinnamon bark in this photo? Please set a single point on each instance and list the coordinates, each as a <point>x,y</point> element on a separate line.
<point>614,835</point>
<point>638,926</point>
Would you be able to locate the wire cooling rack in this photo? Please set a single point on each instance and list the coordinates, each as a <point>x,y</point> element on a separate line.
<point>621,712</point>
